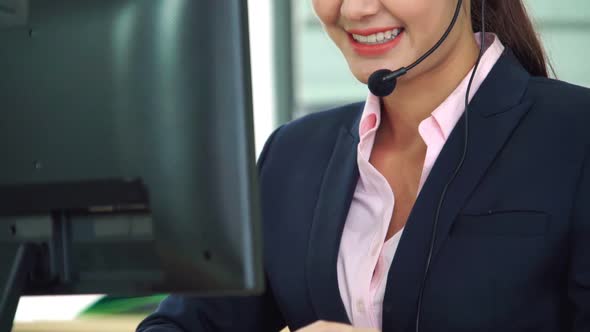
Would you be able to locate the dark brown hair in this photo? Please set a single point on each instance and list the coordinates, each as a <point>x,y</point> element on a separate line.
<point>509,20</point>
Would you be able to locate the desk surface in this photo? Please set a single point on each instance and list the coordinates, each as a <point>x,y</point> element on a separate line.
<point>90,324</point>
<point>94,324</point>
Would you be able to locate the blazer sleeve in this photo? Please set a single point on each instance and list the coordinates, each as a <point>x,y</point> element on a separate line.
<point>579,274</point>
<point>183,313</point>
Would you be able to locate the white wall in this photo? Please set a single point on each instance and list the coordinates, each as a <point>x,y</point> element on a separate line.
<point>564,27</point>
<point>261,46</point>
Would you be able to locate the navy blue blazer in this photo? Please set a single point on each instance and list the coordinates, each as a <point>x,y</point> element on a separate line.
<point>513,240</point>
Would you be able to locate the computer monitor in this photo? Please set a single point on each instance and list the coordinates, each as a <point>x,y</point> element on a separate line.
<point>128,160</point>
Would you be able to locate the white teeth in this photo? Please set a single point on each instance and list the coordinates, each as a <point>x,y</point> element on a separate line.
<point>378,38</point>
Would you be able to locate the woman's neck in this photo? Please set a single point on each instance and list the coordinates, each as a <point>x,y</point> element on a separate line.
<point>414,99</point>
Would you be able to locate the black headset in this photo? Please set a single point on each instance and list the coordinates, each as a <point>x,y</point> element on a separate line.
<point>383,82</point>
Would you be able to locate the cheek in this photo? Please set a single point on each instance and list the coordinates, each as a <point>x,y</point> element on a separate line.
<point>328,11</point>
<point>419,17</point>
<point>424,22</point>
<point>431,18</point>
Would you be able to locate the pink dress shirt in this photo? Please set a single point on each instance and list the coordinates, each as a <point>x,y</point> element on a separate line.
<point>364,256</point>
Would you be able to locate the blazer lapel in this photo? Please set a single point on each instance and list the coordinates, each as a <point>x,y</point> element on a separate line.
<point>494,113</point>
<point>336,192</point>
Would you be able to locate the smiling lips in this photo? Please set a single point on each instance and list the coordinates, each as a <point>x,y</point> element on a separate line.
<point>376,41</point>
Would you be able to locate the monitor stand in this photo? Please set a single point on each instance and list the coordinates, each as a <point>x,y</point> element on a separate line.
<point>37,264</point>
<point>36,233</point>
<point>17,277</point>
<point>40,264</point>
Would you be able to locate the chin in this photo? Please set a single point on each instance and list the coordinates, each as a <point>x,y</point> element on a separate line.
<point>362,74</point>
<point>362,71</point>
<point>362,78</point>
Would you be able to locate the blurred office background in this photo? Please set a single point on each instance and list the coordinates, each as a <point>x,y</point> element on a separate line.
<point>296,71</point>
<point>321,78</point>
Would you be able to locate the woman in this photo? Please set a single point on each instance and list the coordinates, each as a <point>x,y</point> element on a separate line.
<point>350,196</point>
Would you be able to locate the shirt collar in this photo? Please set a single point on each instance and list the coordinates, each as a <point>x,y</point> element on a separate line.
<point>448,113</point>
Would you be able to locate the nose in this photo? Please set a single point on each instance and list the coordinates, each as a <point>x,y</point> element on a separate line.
<point>356,10</point>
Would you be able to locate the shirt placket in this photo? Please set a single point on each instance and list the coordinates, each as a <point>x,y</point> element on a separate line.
<point>374,272</point>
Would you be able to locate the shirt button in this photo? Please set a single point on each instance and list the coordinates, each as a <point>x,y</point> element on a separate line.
<point>360,306</point>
